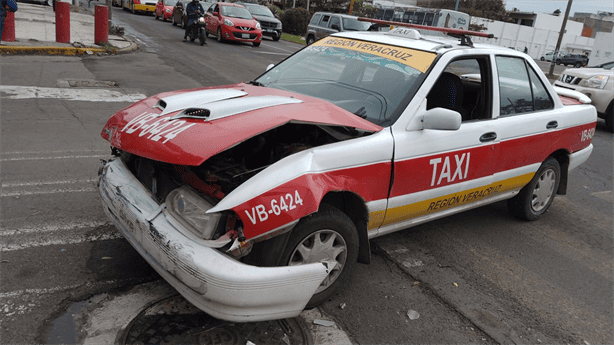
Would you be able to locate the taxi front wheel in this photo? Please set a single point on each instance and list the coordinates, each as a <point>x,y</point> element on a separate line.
<point>534,199</point>
<point>327,235</point>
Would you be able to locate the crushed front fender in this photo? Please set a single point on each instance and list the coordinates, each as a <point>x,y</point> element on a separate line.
<point>214,282</point>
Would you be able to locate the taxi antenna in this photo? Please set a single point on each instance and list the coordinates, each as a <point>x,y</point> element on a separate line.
<point>464,35</point>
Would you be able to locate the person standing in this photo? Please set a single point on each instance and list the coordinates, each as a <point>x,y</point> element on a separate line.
<point>10,5</point>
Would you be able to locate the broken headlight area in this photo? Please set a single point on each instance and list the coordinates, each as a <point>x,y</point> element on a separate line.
<point>189,192</point>
<point>190,210</point>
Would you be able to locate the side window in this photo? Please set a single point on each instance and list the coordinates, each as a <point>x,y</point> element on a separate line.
<point>464,86</point>
<point>334,21</point>
<point>324,22</point>
<point>541,97</point>
<point>519,92</point>
<point>210,9</point>
<point>315,19</point>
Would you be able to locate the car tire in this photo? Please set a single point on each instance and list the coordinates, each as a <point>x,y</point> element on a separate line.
<point>219,35</point>
<point>577,65</point>
<point>542,58</point>
<point>558,62</point>
<point>256,44</point>
<point>310,40</point>
<point>327,234</point>
<point>276,37</point>
<point>609,118</point>
<point>535,198</point>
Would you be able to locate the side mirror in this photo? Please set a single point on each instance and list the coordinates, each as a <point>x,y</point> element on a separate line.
<point>216,14</point>
<point>270,66</point>
<point>441,119</point>
<point>336,27</point>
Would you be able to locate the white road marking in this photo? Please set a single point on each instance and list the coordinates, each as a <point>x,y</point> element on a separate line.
<point>605,196</point>
<point>53,157</point>
<point>50,152</point>
<point>54,227</point>
<point>51,191</point>
<point>73,240</point>
<point>44,183</point>
<point>71,94</point>
<point>271,53</point>
<point>274,47</point>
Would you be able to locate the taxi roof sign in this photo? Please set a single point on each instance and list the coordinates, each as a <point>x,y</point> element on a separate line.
<point>405,32</point>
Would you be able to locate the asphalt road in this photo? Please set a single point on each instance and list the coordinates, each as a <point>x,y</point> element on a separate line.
<point>481,276</point>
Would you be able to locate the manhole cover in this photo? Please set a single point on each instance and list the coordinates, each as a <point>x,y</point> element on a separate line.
<point>175,321</point>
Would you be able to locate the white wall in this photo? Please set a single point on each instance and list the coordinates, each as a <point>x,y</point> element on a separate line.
<point>538,40</point>
<point>550,22</point>
<point>603,49</point>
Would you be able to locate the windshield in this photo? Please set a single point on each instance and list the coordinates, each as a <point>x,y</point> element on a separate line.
<point>236,12</point>
<point>352,24</point>
<point>260,11</point>
<point>364,78</point>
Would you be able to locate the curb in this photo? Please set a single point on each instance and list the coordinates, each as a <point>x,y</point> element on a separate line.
<point>69,51</point>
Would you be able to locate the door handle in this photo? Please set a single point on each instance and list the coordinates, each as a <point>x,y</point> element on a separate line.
<point>552,124</point>
<point>490,136</point>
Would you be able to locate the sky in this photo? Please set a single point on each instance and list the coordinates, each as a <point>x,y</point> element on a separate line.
<point>549,6</point>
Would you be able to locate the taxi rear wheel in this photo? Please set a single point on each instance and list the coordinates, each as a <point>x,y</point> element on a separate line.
<point>534,199</point>
<point>327,235</point>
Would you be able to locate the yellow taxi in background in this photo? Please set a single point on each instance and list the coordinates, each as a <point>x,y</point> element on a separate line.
<point>148,6</point>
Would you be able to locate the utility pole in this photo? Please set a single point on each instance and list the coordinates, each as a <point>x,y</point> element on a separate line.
<point>558,42</point>
<point>456,7</point>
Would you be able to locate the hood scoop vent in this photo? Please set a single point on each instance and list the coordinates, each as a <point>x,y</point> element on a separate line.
<point>227,107</point>
<point>195,99</point>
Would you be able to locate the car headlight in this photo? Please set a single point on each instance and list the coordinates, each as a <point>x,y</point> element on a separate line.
<point>595,82</point>
<point>279,26</point>
<point>168,11</point>
<point>189,209</point>
<point>228,22</point>
<point>257,25</point>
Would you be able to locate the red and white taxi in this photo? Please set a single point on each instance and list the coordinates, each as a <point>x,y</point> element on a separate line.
<point>164,9</point>
<point>232,22</point>
<point>257,199</point>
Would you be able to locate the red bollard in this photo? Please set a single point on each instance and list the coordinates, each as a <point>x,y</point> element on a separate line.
<point>8,34</point>
<point>101,24</point>
<point>62,22</point>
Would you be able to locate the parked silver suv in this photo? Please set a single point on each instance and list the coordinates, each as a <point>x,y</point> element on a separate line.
<point>323,24</point>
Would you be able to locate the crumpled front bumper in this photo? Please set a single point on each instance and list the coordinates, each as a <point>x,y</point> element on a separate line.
<point>214,282</point>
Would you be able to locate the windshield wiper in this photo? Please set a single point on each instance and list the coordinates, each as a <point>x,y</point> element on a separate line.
<point>362,112</point>
<point>257,83</point>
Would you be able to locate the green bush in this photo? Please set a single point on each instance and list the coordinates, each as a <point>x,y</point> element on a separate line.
<point>294,21</point>
<point>277,12</point>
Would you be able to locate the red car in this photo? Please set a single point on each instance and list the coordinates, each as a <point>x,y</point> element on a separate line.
<point>164,9</point>
<point>233,22</point>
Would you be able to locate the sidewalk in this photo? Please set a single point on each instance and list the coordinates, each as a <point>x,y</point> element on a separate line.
<point>35,33</point>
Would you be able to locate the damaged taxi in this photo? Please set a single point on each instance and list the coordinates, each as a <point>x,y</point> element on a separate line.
<point>256,200</point>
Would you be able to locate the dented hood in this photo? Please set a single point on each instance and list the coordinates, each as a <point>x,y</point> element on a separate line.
<point>188,127</point>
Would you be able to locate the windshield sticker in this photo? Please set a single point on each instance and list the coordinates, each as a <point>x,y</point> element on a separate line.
<point>414,58</point>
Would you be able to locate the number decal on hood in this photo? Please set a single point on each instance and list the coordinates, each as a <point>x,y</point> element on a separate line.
<point>162,128</point>
<point>286,203</point>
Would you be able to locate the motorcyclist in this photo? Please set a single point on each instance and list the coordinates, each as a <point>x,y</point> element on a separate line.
<point>194,9</point>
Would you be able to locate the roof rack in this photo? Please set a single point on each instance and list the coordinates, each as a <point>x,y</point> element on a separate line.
<point>462,34</point>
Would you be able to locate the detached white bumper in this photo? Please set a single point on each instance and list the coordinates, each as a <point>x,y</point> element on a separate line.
<point>214,282</point>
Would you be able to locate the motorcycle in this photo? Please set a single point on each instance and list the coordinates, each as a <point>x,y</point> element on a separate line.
<point>197,30</point>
